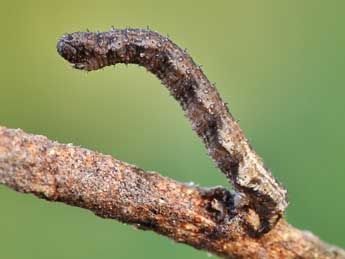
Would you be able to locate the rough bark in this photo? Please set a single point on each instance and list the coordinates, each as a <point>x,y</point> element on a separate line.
<point>204,218</point>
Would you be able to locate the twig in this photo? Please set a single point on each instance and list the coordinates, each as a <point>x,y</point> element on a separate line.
<point>203,218</point>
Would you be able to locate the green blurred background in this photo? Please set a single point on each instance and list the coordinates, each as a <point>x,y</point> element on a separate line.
<point>279,64</point>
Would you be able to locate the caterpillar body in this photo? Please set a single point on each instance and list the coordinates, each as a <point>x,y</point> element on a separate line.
<point>208,114</point>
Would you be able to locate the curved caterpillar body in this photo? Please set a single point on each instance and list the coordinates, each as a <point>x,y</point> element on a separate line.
<point>209,115</point>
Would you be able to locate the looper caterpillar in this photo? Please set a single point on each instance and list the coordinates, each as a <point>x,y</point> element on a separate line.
<point>209,115</point>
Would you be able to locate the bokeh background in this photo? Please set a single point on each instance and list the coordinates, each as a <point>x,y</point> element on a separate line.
<point>279,65</point>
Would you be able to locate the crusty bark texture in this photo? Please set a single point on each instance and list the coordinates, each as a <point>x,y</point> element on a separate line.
<point>204,218</point>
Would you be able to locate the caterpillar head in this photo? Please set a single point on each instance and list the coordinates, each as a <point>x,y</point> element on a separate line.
<point>83,50</point>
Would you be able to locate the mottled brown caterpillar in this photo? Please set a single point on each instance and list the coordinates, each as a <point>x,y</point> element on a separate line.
<point>209,115</point>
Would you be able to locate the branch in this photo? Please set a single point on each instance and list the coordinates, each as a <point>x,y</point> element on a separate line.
<point>203,218</point>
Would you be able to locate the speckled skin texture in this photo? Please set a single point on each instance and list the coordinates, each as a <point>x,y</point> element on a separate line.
<point>203,218</point>
<point>208,114</point>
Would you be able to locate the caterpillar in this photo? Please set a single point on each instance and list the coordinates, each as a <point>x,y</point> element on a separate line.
<point>201,102</point>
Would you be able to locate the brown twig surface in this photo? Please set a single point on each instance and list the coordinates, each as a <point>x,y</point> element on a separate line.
<point>203,218</point>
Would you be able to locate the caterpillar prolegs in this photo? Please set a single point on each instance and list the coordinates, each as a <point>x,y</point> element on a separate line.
<point>208,114</point>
